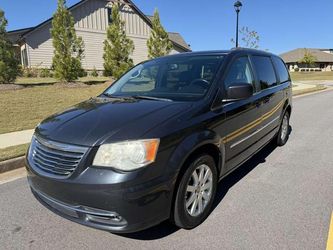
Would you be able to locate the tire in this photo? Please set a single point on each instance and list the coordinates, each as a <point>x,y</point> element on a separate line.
<point>189,217</point>
<point>283,134</point>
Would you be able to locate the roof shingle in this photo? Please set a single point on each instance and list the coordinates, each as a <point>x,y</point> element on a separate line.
<point>296,55</point>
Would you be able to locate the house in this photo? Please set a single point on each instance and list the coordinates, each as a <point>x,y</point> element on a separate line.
<point>92,17</point>
<point>323,59</point>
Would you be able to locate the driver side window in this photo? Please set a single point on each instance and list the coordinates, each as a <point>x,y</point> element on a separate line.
<point>240,72</point>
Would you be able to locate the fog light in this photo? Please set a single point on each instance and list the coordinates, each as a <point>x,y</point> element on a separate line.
<point>115,220</point>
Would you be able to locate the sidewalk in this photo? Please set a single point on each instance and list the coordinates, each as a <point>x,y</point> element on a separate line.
<point>15,138</point>
<point>302,85</point>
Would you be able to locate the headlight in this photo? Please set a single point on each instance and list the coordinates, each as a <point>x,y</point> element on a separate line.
<point>128,155</point>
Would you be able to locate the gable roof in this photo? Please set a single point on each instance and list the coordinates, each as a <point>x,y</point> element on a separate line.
<point>15,35</point>
<point>297,54</point>
<point>175,38</point>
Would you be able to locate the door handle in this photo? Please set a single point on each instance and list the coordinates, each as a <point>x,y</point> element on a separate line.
<point>267,99</point>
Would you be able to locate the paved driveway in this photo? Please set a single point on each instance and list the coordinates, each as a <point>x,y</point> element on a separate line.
<point>281,199</point>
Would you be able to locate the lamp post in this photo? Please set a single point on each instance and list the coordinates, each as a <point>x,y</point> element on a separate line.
<point>238,6</point>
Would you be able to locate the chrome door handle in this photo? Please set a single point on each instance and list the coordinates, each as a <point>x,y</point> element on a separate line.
<point>266,100</point>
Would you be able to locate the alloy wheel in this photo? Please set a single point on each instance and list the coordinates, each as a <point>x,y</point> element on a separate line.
<point>284,127</point>
<point>199,190</point>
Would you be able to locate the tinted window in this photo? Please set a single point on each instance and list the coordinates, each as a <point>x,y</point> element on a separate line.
<point>281,69</point>
<point>239,72</point>
<point>265,71</point>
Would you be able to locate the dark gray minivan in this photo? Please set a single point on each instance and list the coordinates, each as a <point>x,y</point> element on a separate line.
<point>155,144</point>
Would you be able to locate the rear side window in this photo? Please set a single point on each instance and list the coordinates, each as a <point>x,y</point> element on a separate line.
<point>281,70</point>
<point>265,71</point>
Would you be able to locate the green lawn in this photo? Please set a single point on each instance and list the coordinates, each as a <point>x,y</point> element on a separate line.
<point>25,108</point>
<point>13,152</point>
<point>311,76</point>
<point>45,81</point>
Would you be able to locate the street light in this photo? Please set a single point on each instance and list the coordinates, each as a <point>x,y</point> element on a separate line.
<point>238,6</point>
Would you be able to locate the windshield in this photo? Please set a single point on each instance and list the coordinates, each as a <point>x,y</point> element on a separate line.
<point>181,78</point>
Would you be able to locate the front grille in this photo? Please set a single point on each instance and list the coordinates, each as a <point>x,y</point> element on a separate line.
<point>54,159</point>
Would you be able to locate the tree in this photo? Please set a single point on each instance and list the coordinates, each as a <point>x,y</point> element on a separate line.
<point>308,59</point>
<point>68,48</point>
<point>9,65</point>
<point>117,47</point>
<point>158,43</point>
<point>249,38</point>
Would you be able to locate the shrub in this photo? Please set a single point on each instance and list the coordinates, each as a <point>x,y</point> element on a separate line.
<point>30,72</point>
<point>82,73</point>
<point>117,46</point>
<point>45,73</point>
<point>158,43</point>
<point>9,68</point>
<point>94,73</point>
<point>68,47</point>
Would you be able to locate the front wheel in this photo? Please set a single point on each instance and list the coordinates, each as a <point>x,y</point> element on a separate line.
<point>196,192</point>
<point>283,134</point>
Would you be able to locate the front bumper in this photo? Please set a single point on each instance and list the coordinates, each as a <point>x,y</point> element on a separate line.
<point>105,199</point>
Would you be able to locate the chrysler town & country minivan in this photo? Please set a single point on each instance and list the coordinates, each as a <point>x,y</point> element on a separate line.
<point>155,144</point>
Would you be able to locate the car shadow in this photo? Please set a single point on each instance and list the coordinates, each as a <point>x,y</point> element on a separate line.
<point>230,180</point>
<point>166,228</point>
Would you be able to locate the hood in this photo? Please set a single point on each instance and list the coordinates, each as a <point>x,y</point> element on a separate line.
<point>95,121</point>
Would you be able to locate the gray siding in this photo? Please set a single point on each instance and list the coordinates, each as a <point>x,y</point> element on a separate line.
<point>91,15</point>
<point>40,48</point>
<point>134,24</point>
<point>94,44</point>
<point>91,21</point>
<point>141,50</point>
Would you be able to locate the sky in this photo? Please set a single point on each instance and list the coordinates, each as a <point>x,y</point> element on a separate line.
<point>282,25</point>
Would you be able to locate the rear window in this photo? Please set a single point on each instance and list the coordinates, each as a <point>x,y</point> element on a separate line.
<point>265,71</point>
<point>281,69</point>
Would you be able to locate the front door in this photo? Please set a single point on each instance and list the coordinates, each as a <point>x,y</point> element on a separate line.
<point>243,117</point>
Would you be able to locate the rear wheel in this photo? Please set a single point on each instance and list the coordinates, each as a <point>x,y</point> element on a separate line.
<point>283,134</point>
<point>196,192</point>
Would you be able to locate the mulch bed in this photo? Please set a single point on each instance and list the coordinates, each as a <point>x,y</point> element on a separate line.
<point>4,87</point>
<point>71,85</point>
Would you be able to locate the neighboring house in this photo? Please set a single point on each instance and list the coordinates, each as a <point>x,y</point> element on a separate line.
<point>92,17</point>
<point>323,62</point>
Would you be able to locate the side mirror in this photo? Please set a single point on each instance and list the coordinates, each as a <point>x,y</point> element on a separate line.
<point>239,91</point>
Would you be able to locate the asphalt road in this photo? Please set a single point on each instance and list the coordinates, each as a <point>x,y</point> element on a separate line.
<point>281,199</point>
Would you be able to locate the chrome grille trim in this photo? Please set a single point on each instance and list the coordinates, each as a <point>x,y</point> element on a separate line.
<point>53,159</point>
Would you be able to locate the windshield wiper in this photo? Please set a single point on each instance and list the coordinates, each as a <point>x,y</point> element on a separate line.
<point>118,97</point>
<point>151,98</point>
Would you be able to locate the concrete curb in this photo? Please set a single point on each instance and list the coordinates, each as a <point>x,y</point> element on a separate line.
<point>308,90</point>
<point>314,92</point>
<point>12,164</point>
